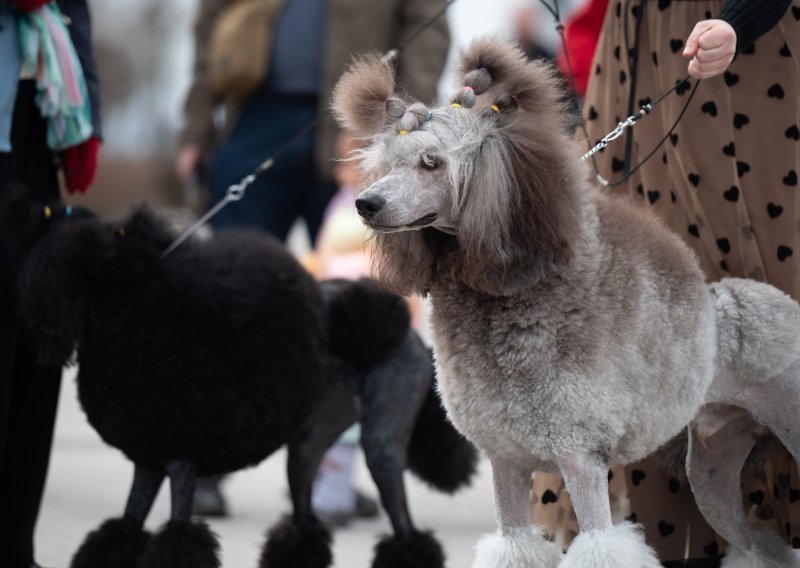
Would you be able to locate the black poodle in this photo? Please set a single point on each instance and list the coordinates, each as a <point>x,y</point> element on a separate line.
<point>208,360</point>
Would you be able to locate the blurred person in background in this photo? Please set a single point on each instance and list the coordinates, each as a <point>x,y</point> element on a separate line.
<point>581,32</point>
<point>726,181</point>
<point>264,70</point>
<point>49,118</point>
<point>527,32</point>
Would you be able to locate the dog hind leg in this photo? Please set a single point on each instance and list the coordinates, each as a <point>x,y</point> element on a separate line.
<point>516,543</point>
<point>300,540</point>
<point>119,543</point>
<point>714,469</point>
<point>600,544</point>
<point>392,396</point>
<point>776,405</point>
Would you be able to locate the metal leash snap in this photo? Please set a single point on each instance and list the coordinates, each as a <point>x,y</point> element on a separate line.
<point>236,191</point>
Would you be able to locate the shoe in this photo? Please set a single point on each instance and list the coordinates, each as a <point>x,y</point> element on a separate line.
<point>366,507</point>
<point>334,519</point>
<point>208,500</point>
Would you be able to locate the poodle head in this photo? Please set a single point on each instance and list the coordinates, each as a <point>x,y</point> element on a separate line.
<point>138,243</point>
<point>59,249</point>
<point>479,187</point>
<point>67,258</point>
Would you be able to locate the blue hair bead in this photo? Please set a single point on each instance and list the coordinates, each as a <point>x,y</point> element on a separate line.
<point>428,116</point>
<point>68,211</point>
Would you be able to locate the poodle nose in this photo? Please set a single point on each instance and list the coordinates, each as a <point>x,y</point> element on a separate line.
<point>370,206</point>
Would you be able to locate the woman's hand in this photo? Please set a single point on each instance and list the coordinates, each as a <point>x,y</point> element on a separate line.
<point>186,162</point>
<point>711,47</point>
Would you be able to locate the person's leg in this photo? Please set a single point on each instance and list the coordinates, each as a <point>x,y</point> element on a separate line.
<point>8,339</point>
<point>274,201</point>
<point>314,205</point>
<point>28,391</point>
<point>33,401</point>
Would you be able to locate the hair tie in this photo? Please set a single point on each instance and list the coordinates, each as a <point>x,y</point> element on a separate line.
<point>403,132</point>
<point>121,231</point>
<point>496,109</point>
<point>428,116</point>
<point>468,88</point>
<point>455,105</point>
<point>68,211</point>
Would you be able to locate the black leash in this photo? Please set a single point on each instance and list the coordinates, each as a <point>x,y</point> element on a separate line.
<point>623,126</point>
<point>236,192</point>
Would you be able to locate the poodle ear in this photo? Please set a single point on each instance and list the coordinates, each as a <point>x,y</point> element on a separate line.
<point>484,225</point>
<point>54,283</point>
<point>363,100</point>
<point>514,211</point>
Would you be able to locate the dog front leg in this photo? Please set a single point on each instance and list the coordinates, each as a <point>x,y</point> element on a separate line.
<point>600,544</point>
<point>517,544</point>
<point>182,543</point>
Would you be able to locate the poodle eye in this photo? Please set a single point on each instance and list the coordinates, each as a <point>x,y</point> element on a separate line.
<point>429,162</point>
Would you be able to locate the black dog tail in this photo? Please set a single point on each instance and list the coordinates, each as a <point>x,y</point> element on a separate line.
<point>437,452</point>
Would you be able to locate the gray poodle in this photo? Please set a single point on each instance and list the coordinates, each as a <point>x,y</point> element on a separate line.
<point>572,330</point>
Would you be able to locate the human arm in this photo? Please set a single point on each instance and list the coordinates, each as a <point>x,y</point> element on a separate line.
<point>713,43</point>
<point>750,19</point>
<point>26,6</point>
<point>198,129</point>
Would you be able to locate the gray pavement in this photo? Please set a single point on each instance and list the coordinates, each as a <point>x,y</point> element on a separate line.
<point>89,482</point>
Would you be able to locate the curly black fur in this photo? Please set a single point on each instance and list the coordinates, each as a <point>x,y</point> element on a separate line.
<point>291,545</point>
<point>420,550</point>
<point>365,322</point>
<point>437,452</point>
<point>212,355</point>
<point>117,543</point>
<point>181,544</point>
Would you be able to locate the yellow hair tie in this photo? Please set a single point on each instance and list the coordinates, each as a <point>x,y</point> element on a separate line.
<point>121,231</point>
<point>47,212</point>
<point>496,109</point>
<point>403,132</point>
<point>456,105</point>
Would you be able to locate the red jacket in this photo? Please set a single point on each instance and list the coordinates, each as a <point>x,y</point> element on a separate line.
<point>581,33</point>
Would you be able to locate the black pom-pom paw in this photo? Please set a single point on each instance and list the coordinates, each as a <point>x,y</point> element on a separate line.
<point>117,543</point>
<point>182,544</point>
<point>291,545</point>
<point>419,550</point>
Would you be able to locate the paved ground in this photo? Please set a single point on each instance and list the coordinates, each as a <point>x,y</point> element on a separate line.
<point>89,482</point>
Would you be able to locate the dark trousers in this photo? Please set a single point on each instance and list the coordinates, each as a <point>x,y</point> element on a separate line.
<point>292,187</point>
<point>28,391</point>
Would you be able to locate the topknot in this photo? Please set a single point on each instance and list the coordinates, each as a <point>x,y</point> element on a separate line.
<point>413,118</point>
<point>488,63</point>
<point>479,79</point>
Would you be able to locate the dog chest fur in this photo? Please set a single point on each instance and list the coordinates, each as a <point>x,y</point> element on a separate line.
<point>515,370</point>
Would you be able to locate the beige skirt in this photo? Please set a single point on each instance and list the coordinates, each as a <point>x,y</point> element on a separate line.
<point>727,182</point>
